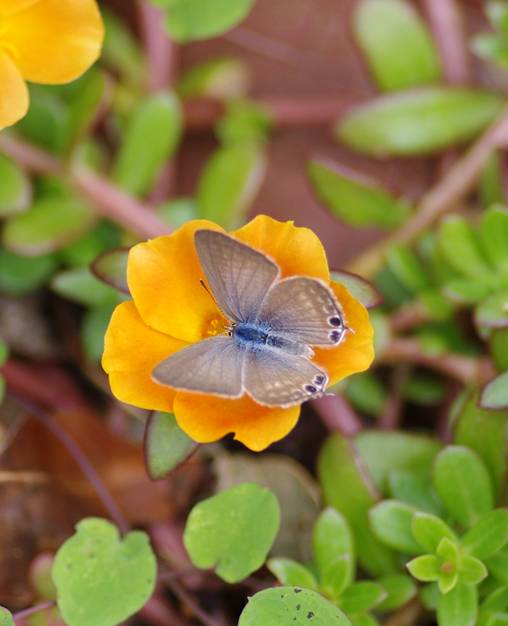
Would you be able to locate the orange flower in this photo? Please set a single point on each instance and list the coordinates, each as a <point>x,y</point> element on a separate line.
<point>171,310</point>
<point>44,41</point>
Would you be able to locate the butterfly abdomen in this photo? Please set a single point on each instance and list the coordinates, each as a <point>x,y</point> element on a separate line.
<point>254,337</point>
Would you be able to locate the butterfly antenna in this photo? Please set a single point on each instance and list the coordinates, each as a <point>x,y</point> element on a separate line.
<point>203,284</point>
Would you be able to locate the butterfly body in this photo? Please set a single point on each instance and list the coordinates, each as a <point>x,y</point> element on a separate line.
<point>273,322</point>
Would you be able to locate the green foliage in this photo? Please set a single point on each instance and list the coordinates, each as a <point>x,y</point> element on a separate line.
<point>355,199</point>
<point>81,286</point>
<point>5,617</point>
<point>15,190</point>
<point>397,45</point>
<point>494,46</point>
<point>224,78</point>
<point>166,445</point>
<point>459,607</point>
<point>20,275</point>
<point>291,606</point>
<point>101,579</point>
<point>495,393</point>
<point>291,573</point>
<point>419,121</point>
<point>233,531</point>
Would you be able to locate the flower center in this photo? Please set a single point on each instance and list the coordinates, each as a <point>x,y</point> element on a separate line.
<point>215,326</point>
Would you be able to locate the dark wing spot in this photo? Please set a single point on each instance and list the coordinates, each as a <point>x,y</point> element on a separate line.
<point>319,380</point>
<point>335,321</point>
<point>310,389</point>
<point>335,336</point>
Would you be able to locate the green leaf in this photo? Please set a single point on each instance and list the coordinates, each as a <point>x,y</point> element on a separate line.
<point>354,198</point>
<point>399,589</point>
<point>493,311</point>
<point>332,542</point>
<point>104,236</point>
<point>424,389</point>
<point>6,617</point>
<point>229,182</point>
<point>177,211</point>
<point>399,49</point>
<point>466,291</point>
<point>424,568</point>
<point>189,20</point>
<point>497,600</point>
<point>233,531</point>
<point>485,432</point>
<point>364,619</point>
<point>430,595</point>
<point>408,268</point>
<point>121,50</point>
<point>84,105</point>
<point>15,188</point>
<point>101,579</point>
<point>93,328</point>
<point>221,79</point>
<point>383,452</point>
<point>429,530</point>
<point>81,286</point>
<point>494,236</point>
<point>366,393</point>
<point>463,484</point>
<point>495,393</point>
<point>490,189</point>
<point>244,122</point>
<point>291,573</point>
<point>51,223</point>
<point>413,489</point>
<point>459,244</point>
<point>362,596</point>
<point>348,489</point>
<point>4,351</point>
<point>46,120</point>
<point>391,522</point>
<point>166,445</point>
<point>488,535</point>
<point>359,288</point>
<point>419,121</point>
<point>291,606</point>
<point>499,348</point>
<point>472,571</point>
<point>459,607</point>
<point>152,135</point>
<point>20,275</point>
<point>111,268</point>
<point>498,565</point>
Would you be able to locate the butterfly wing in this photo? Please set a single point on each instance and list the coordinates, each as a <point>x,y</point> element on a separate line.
<point>304,310</point>
<point>273,378</point>
<point>238,275</point>
<point>213,366</point>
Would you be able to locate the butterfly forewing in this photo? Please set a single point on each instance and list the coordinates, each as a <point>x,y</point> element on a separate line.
<point>304,310</point>
<point>275,379</point>
<point>212,366</point>
<point>238,275</point>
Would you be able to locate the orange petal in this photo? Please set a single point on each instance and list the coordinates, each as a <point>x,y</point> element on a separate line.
<point>13,92</point>
<point>8,7</point>
<point>163,276</point>
<point>131,351</point>
<point>296,250</point>
<point>356,351</point>
<point>54,41</point>
<point>209,418</point>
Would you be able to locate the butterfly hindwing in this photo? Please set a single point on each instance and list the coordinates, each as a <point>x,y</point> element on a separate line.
<point>276,379</point>
<point>214,366</point>
<point>305,310</point>
<point>238,275</point>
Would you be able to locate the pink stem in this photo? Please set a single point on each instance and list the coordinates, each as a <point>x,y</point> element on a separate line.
<point>161,52</point>
<point>33,609</point>
<point>337,414</point>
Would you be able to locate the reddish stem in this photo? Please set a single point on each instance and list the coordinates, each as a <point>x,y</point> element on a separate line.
<point>337,414</point>
<point>33,609</point>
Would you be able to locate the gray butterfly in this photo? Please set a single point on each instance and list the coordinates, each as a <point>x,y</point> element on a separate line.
<point>266,350</point>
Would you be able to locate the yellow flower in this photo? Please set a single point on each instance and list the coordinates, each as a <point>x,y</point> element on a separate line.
<point>171,310</point>
<point>44,41</point>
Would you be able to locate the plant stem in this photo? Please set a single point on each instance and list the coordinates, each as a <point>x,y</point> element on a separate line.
<point>33,609</point>
<point>443,197</point>
<point>187,599</point>
<point>337,414</point>
<point>79,457</point>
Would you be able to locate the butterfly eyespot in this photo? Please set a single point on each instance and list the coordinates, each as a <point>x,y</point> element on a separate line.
<point>310,389</point>
<point>335,336</point>
<point>335,321</point>
<point>319,380</point>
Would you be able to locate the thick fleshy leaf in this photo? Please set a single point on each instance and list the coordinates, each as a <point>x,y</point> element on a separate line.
<point>102,579</point>
<point>152,135</point>
<point>359,288</point>
<point>222,79</point>
<point>166,445</point>
<point>424,568</point>
<point>472,571</point>
<point>20,275</point>
<point>15,188</point>
<point>292,574</point>
<point>333,541</point>
<point>347,488</point>
<point>498,340</point>
<point>366,393</point>
<point>498,565</point>
<point>398,47</point>
<point>291,606</point>
<point>229,182</point>
<point>6,617</point>
<point>111,268</point>
<point>176,212</point>
<point>459,607</point>
<point>391,522</point>
<point>362,596</point>
<point>419,121</point>
<point>493,311</point>
<point>383,452</point>
<point>399,590</point>
<point>463,484</point>
<point>189,20</point>
<point>485,432</point>
<point>490,188</point>
<point>408,268</point>
<point>81,286</point>
<point>414,489</point>
<point>50,224</point>
<point>354,198</point>
<point>497,600</point>
<point>466,291</point>
<point>122,51</point>
<point>244,122</point>
<point>233,531</point>
<point>495,393</point>
<point>488,536</point>
<point>429,530</point>
<point>84,104</point>
<point>494,236</point>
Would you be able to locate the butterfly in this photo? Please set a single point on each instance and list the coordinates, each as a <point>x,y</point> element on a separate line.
<point>266,349</point>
